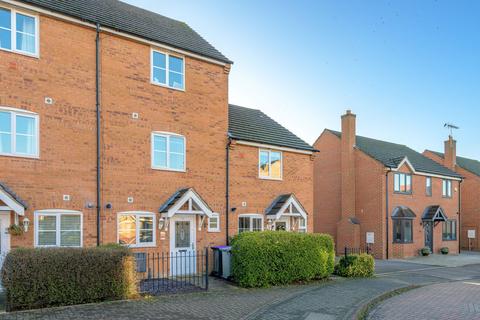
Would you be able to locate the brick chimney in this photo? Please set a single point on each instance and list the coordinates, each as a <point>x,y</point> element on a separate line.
<point>450,159</point>
<point>348,164</point>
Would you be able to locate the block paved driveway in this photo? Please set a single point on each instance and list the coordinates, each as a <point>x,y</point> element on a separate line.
<point>336,299</point>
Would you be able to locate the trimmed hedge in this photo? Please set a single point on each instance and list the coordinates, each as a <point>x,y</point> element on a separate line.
<point>46,277</point>
<point>261,259</point>
<point>356,266</point>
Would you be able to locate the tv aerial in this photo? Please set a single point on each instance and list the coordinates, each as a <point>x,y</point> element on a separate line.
<point>451,127</point>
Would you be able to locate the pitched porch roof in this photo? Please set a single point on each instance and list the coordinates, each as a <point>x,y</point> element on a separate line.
<point>434,213</point>
<point>403,212</point>
<point>185,201</point>
<point>286,204</point>
<point>12,200</point>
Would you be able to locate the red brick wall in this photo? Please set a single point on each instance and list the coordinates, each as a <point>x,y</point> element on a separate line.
<point>65,71</point>
<point>246,186</point>
<point>470,204</point>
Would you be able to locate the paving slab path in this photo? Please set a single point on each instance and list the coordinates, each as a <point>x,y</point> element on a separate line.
<point>335,299</point>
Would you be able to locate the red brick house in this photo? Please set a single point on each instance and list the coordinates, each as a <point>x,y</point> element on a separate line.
<point>469,169</point>
<point>383,193</point>
<point>113,128</point>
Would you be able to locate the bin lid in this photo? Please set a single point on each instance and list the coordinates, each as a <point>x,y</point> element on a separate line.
<point>223,248</point>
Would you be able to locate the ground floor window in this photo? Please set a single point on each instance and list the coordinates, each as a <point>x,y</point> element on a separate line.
<point>214,223</point>
<point>55,228</point>
<point>302,225</point>
<point>136,229</point>
<point>449,231</point>
<point>402,230</point>
<point>250,223</point>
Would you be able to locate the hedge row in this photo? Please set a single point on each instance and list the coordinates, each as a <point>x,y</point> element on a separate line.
<point>46,277</point>
<point>356,266</point>
<point>266,258</point>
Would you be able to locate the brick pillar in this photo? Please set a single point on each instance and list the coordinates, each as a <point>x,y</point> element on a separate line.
<point>348,233</point>
<point>450,160</point>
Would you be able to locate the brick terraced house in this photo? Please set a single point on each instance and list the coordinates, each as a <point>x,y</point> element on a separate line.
<point>397,198</point>
<point>469,191</point>
<point>114,127</point>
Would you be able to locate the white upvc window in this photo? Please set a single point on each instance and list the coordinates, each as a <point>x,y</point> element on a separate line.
<point>270,164</point>
<point>446,188</point>
<point>58,228</point>
<point>302,225</point>
<point>168,151</point>
<point>214,223</point>
<point>19,133</point>
<point>19,32</point>
<point>250,222</point>
<point>136,229</point>
<point>168,70</point>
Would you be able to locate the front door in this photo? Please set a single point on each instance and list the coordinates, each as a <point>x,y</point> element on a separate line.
<point>182,244</point>
<point>4,235</point>
<point>428,230</point>
<point>282,224</point>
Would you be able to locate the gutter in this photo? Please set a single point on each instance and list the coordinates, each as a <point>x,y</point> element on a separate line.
<point>227,187</point>
<point>97,107</point>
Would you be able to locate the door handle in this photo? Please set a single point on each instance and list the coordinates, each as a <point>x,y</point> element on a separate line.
<point>182,251</point>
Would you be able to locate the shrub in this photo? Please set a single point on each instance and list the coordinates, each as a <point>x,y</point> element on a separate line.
<point>261,259</point>
<point>425,251</point>
<point>356,266</point>
<point>444,250</point>
<point>45,277</point>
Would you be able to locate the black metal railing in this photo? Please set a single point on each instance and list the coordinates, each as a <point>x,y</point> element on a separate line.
<point>366,250</point>
<point>172,272</point>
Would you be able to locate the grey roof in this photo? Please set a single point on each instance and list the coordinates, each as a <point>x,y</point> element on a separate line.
<point>12,194</point>
<point>403,212</point>
<point>277,204</point>
<point>177,196</point>
<point>434,213</point>
<point>392,154</point>
<point>135,21</point>
<point>255,126</point>
<point>468,164</point>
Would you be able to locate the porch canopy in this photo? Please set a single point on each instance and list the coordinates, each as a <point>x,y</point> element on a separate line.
<point>434,213</point>
<point>185,201</point>
<point>11,200</point>
<point>285,205</point>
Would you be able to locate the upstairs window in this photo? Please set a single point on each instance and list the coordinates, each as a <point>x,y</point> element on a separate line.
<point>403,183</point>
<point>168,70</point>
<point>270,164</point>
<point>447,188</point>
<point>168,152</point>
<point>18,133</point>
<point>428,186</point>
<point>18,32</point>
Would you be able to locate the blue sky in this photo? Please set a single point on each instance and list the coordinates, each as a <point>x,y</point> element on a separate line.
<point>404,67</point>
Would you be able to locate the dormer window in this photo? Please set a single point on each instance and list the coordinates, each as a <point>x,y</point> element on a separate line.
<point>402,183</point>
<point>168,70</point>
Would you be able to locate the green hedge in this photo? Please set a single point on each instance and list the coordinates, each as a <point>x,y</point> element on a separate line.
<point>45,277</point>
<point>356,265</point>
<point>266,258</point>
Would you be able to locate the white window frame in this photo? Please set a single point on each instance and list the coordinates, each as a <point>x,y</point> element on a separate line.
<point>167,136</point>
<point>13,125</point>
<point>301,228</point>
<point>138,214</point>
<point>13,32</point>
<point>167,69</point>
<point>250,216</point>
<point>447,188</point>
<point>57,213</point>
<point>214,216</point>
<point>269,177</point>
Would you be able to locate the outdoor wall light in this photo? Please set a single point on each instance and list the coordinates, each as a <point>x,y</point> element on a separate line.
<point>108,206</point>
<point>161,223</point>
<point>26,223</point>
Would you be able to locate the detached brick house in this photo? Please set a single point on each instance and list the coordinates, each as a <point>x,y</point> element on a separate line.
<point>395,196</point>
<point>469,191</point>
<point>114,127</point>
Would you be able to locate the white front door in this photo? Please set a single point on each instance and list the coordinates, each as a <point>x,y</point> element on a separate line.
<point>182,245</point>
<point>4,235</point>
<point>282,224</point>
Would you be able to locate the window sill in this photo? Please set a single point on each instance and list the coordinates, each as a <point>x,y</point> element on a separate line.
<point>213,231</point>
<point>171,170</point>
<point>26,54</point>
<point>271,179</point>
<point>35,157</point>
<point>149,245</point>
<point>166,86</point>
<point>408,242</point>
<point>448,240</point>
<point>403,193</point>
